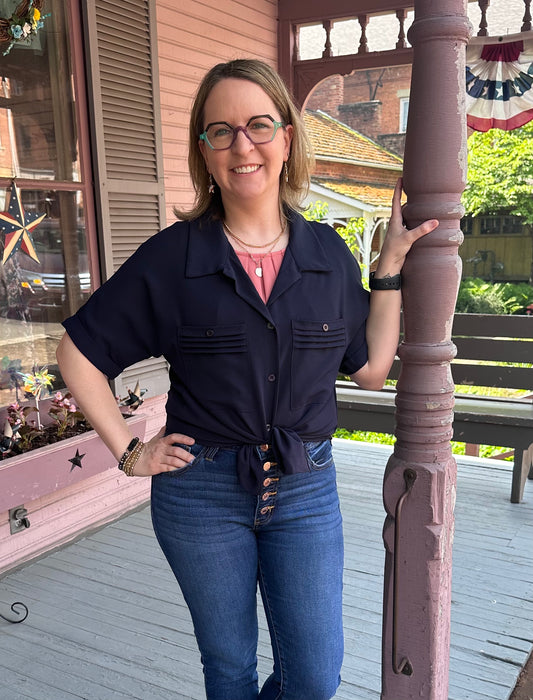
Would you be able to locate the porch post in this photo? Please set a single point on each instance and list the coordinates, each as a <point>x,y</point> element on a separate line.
<point>419,484</point>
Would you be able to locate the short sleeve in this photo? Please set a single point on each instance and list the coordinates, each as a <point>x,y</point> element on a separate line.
<point>121,323</point>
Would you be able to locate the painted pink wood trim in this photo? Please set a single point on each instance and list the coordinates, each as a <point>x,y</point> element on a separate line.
<point>58,518</point>
<point>34,474</point>
<point>434,178</point>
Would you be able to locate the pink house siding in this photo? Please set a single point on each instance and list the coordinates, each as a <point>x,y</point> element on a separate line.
<point>193,37</point>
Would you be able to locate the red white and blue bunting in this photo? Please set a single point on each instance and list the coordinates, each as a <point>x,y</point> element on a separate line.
<point>499,82</point>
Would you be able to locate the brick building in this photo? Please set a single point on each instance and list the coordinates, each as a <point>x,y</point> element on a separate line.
<point>354,176</point>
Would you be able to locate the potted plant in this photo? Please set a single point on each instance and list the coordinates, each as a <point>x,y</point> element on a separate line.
<point>48,444</point>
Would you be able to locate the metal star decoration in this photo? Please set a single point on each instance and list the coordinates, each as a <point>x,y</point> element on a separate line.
<point>18,224</point>
<point>76,460</point>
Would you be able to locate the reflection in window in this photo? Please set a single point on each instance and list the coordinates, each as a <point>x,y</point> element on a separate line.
<point>38,132</point>
<point>39,149</point>
<point>36,297</point>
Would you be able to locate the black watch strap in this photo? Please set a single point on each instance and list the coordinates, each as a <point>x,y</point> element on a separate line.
<point>384,283</point>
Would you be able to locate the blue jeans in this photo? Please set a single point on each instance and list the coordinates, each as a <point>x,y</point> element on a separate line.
<point>221,541</point>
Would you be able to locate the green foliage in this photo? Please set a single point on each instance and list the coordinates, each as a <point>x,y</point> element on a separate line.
<point>349,233</point>
<point>458,448</point>
<point>364,436</point>
<point>500,172</point>
<point>318,211</point>
<point>479,297</point>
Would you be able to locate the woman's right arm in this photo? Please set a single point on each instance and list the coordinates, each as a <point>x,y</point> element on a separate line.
<point>92,393</point>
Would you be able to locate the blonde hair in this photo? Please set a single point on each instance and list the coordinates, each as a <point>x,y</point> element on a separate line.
<point>294,185</point>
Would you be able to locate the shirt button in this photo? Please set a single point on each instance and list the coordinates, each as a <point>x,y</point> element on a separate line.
<point>264,511</point>
<point>263,448</point>
<point>268,426</point>
<point>270,326</point>
<point>325,327</point>
<point>210,332</point>
<point>267,482</point>
<point>266,496</point>
<point>266,466</point>
<point>271,377</point>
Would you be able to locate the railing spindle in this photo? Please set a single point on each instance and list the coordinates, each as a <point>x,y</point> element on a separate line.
<point>402,16</point>
<point>526,26</point>
<point>327,53</point>
<point>363,43</point>
<point>483,6</point>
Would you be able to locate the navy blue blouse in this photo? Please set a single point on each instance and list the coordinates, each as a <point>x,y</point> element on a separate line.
<point>242,372</point>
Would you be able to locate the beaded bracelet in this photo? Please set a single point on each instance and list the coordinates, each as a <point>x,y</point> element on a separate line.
<point>132,458</point>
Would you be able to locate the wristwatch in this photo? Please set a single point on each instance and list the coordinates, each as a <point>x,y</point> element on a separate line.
<point>384,283</point>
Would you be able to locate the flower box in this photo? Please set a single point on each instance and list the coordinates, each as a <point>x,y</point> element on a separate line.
<point>41,471</point>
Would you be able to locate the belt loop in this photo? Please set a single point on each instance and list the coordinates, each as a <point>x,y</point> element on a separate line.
<point>210,453</point>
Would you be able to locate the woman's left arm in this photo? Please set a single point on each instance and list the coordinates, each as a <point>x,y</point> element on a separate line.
<point>383,322</point>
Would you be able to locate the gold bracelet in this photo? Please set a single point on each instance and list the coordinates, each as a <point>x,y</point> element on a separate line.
<point>132,459</point>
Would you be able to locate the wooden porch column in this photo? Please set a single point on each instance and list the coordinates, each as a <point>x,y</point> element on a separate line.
<point>419,484</point>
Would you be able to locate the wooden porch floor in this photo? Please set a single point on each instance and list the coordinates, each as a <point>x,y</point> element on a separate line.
<point>107,621</point>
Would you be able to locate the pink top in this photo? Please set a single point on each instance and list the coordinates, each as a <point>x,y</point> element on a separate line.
<point>270,264</point>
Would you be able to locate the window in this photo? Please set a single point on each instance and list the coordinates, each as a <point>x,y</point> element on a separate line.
<point>404,111</point>
<point>466,225</point>
<point>496,225</point>
<point>40,140</point>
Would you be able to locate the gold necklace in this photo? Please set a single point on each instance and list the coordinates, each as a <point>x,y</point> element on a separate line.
<point>259,263</point>
<point>251,245</point>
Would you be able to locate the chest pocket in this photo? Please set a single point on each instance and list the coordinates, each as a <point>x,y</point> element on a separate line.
<point>215,360</point>
<point>317,351</point>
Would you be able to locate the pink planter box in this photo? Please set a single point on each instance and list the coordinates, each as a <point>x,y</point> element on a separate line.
<point>28,476</point>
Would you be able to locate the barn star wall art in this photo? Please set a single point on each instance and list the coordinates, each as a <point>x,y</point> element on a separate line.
<point>18,225</point>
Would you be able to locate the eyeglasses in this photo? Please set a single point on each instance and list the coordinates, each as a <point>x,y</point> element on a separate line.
<point>260,129</point>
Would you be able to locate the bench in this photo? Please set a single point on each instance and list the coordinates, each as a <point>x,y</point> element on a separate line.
<point>481,341</point>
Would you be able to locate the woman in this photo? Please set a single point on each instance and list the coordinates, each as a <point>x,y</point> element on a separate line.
<point>256,311</point>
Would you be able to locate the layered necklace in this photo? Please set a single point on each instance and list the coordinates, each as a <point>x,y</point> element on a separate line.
<point>256,259</point>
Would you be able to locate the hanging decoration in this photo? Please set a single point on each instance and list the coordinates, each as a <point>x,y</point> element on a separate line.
<point>23,25</point>
<point>18,225</point>
<point>499,82</point>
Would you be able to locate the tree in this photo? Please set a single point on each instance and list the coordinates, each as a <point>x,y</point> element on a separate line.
<point>500,173</point>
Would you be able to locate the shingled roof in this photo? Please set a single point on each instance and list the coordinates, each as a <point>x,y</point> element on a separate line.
<point>375,195</point>
<point>335,140</point>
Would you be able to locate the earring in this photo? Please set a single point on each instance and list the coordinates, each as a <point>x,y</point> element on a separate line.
<point>211,187</point>
<point>286,171</point>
